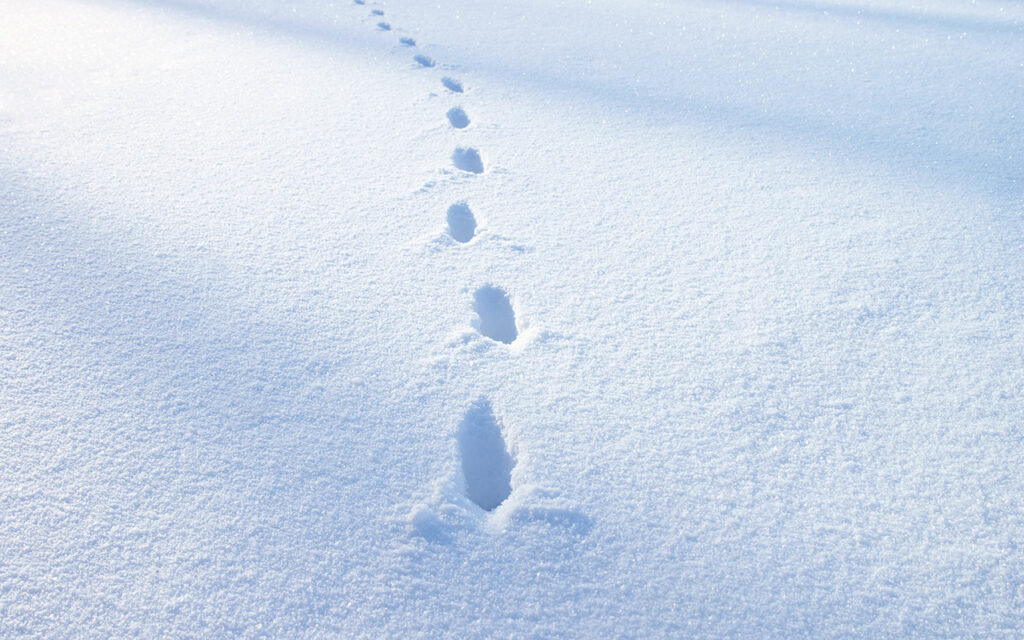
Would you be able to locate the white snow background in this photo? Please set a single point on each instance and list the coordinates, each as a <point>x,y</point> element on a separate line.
<point>726,339</point>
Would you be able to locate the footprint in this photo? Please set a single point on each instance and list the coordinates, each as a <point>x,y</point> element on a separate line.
<point>383,26</point>
<point>409,42</point>
<point>486,462</point>
<point>461,222</point>
<point>423,60</point>
<point>468,160</point>
<point>452,84</point>
<point>359,1</point>
<point>497,320</point>
<point>377,12</point>
<point>458,118</point>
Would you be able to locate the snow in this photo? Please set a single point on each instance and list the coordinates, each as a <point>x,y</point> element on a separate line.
<point>606,318</point>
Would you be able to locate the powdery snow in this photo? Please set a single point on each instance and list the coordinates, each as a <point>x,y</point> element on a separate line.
<point>626,318</point>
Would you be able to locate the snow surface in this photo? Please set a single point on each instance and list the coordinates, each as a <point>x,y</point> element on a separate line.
<point>751,272</point>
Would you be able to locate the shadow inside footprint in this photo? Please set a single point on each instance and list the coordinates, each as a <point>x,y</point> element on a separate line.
<point>468,160</point>
<point>384,26</point>
<point>423,61</point>
<point>458,118</point>
<point>486,462</point>
<point>497,318</point>
<point>452,84</point>
<point>409,42</point>
<point>377,12</point>
<point>461,222</point>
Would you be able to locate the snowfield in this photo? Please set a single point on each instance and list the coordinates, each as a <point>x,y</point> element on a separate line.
<point>511,319</point>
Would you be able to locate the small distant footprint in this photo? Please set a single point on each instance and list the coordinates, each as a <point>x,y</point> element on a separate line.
<point>424,61</point>
<point>359,1</point>
<point>458,118</point>
<point>384,26</point>
<point>377,12</point>
<point>452,84</point>
<point>497,319</point>
<point>468,160</point>
<point>409,42</point>
<point>461,222</point>
<point>486,462</point>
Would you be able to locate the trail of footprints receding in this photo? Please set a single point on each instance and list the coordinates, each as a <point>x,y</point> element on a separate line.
<point>486,460</point>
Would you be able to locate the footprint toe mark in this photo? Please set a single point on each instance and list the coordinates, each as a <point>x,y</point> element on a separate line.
<point>461,222</point>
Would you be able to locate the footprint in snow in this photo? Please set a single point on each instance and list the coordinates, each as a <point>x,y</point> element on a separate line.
<point>359,1</point>
<point>452,84</point>
<point>424,61</point>
<point>377,12</point>
<point>384,26</point>
<point>486,462</point>
<point>468,160</point>
<point>496,318</point>
<point>409,42</point>
<point>461,222</point>
<point>458,118</point>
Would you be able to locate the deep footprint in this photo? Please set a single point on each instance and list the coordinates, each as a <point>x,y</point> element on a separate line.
<point>468,160</point>
<point>458,118</point>
<point>461,222</point>
<point>409,42</point>
<point>452,84</point>
<point>497,319</point>
<point>384,26</point>
<point>486,462</point>
<point>423,60</point>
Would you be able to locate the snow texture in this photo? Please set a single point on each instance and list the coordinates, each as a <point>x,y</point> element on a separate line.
<point>706,323</point>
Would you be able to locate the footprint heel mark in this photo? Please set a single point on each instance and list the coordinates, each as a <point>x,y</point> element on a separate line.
<point>458,118</point>
<point>424,61</point>
<point>409,42</point>
<point>496,318</point>
<point>452,84</point>
<point>486,462</point>
<point>468,160</point>
<point>461,222</point>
